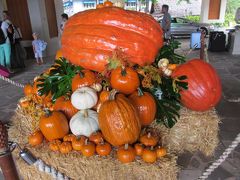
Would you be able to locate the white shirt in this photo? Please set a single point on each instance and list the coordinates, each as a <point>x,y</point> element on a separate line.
<point>4,28</point>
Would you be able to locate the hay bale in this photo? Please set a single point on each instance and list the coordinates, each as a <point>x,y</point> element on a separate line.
<point>76,166</point>
<point>194,131</point>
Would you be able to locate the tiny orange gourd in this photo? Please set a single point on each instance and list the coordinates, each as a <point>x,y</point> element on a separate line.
<point>103,148</point>
<point>138,149</point>
<point>126,154</point>
<point>96,137</point>
<point>36,138</point>
<point>65,147</point>
<point>54,145</point>
<point>149,140</point>
<point>88,148</point>
<point>149,155</point>
<point>69,138</point>
<point>78,143</point>
<point>161,152</point>
<point>104,95</point>
<point>108,3</point>
<point>28,89</point>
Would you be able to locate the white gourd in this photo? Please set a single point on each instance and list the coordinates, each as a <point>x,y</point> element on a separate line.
<point>85,122</point>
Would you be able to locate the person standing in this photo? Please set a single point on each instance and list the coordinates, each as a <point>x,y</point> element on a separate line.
<point>5,46</point>
<point>166,22</point>
<point>38,47</point>
<point>61,27</point>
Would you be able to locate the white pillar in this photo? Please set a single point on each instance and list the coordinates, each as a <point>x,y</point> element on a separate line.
<point>205,11</point>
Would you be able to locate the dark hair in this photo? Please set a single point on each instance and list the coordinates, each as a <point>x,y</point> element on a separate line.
<point>6,12</point>
<point>65,16</point>
<point>165,7</point>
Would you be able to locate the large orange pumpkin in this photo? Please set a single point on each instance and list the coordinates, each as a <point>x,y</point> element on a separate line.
<point>204,86</point>
<point>90,37</point>
<point>145,104</point>
<point>54,125</point>
<point>119,121</point>
<point>64,104</point>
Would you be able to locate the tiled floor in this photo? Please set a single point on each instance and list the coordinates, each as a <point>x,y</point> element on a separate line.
<point>192,165</point>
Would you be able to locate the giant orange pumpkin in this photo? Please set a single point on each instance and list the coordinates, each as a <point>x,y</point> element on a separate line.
<point>204,86</point>
<point>90,37</point>
<point>145,104</point>
<point>119,121</point>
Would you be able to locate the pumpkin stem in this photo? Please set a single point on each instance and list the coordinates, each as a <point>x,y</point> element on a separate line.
<point>126,146</point>
<point>47,112</point>
<point>123,71</point>
<point>149,135</point>
<point>151,148</point>
<point>112,94</point>
<point>140,92</point>
<point>86,141</point>
<point>81,74</point>
<point>85,113</point>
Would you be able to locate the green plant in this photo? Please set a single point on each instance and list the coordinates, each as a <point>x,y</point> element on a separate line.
<point>193,18</point>
<point>59,79</point>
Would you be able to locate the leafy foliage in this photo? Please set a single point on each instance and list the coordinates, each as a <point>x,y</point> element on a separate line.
<point>168,104</point>
<point>59,79</point>
<point>193,18</point>
<point>167,51</point>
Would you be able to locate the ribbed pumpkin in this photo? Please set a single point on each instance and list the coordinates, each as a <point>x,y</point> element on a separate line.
<point>204,86</point>
<point>119,121</point>
<point>90,37</point>
<point>146,106</point>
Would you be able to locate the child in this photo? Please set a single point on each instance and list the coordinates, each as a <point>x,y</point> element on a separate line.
<point>38,47</point>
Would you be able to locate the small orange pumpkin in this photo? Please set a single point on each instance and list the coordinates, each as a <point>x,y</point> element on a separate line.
<point>54,145</point>
<point>84,78</point>
<point>126,154</point>
<point>149,140</point>
<point>36,138</point>
<point>88,148</point>
<point>138,149</point>
<point>145,104</point>
<point>103,148</point>
<point>149,155</point>
<point>65,147</point>
<point>161,152</point>
<point>96,137</point>
<point>64,105</point>
<point>54,125</point>
<point>100,6</point>
<point>69,137</point>
<point>28,89</point>
<point>108,3</point>
<point>125,80</point>
<point>104,95</point>
<point>78,143</point>
<point>172,66</point>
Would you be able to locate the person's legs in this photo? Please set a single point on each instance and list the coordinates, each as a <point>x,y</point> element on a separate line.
<point>7,54</point>
<point>2,58</point>
<point>40,56</point>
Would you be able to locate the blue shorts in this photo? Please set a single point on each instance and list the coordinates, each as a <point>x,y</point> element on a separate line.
<point>38,54</point>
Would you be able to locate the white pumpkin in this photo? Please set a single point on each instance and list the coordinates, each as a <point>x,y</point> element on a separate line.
<point>84,98</point>
<point>162,63</point>
<point>85,122</point>
<point>166,71</point>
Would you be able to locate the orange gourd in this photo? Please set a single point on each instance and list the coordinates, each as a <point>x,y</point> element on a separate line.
<point>96,137</point>
<point>64,105</point>
<point>149,155</point>
<point>145,104</point>
<point>100,6</point>
<point>78,143</point>
<point>88,149</point>
<point>104,95</point>
<point>161,152</point>
<point>54,125</point>
<point>103,149</point>
<point>54,145</point>
<point>36,138</point>
<point>91,43</point>
<point>65,147</point>
<point>138,149</point>
<point>204,86</point>
<point>28,89</point>
<point>108,3</point>
<point>84,78</point>
<point>69,138</point>
<point>119,121</point>
<point>149,140</point>
<point>124,80</point>
<point>126,154</point>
